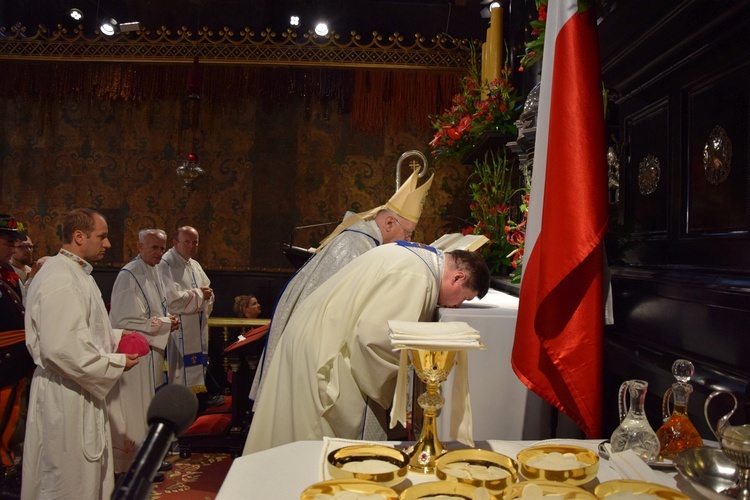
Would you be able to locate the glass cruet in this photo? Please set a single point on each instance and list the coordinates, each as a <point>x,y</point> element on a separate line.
<point>634,432</point>
<point>678,433</point>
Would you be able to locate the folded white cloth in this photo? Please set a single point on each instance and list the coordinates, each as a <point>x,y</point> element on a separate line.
<point>420,335</point>
<point>448,336</point>
<point>630,466</point>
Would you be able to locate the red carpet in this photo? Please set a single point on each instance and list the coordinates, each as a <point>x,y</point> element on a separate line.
<point>196,478</point>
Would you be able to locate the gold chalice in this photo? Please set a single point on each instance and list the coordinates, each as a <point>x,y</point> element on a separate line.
<point>432,368</point>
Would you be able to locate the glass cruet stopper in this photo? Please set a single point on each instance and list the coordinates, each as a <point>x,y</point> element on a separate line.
<point>683,370</point>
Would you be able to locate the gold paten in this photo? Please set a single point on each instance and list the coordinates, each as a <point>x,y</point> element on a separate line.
<point>351,485</point>
<point>435,488</point>
<point>576,477</point>
<point>359,453</point>
<point>483,458</point>
<point>638,487</point>
<point>568,491</point>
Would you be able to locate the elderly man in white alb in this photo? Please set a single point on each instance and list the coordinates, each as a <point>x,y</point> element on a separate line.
<point>358,233</point>
<point>139,303</point>
<point>189,295</point>
<point>335,353</point>
<point>67,451</point>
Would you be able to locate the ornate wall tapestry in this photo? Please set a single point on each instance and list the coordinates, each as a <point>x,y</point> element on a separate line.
<point>281,148</point>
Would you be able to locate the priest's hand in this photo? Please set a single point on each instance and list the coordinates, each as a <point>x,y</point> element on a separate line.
<point>207,292</point>
<point>175,322</point>
<point>130,361</point>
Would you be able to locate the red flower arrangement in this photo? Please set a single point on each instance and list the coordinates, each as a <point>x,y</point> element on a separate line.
<point>476,109</point>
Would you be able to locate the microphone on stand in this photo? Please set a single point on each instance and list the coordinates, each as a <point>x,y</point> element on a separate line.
<point>170,413</point>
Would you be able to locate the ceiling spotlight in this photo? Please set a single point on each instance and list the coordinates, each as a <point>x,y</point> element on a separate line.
<point>321,29</point>
<point>127,27</point>
<point>76,14</point>
<point>108,27</point>
<point>294,21</point>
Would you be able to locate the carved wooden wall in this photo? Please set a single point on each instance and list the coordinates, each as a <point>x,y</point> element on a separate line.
<point>680,77</point>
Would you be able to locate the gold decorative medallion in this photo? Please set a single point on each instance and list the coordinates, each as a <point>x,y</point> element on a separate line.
<point>649,171</point>
<point>717,156</point>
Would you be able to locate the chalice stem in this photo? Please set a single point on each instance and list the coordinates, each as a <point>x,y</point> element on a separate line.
<point>428,447</point>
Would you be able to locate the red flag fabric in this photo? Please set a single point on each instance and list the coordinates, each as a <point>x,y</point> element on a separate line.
<point>557,350</point>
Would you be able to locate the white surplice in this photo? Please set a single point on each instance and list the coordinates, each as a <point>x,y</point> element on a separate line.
<point>335,352</point>
<point>68,446</point>
<point>139,304</point>
<point>353,242</point>
<point>183,279</point>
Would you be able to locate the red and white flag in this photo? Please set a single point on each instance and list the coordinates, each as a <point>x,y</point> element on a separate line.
<point>557,351</point>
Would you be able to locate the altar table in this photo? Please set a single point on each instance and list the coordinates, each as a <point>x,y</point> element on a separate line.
<point>498,398</point>
<point>282,473</point>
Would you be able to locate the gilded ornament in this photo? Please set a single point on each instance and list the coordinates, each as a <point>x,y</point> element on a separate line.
<point>649,171</point>
<point>717,156</point>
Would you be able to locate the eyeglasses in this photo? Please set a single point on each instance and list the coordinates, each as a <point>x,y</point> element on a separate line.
<point>25,247</point>
<point>407,234</point>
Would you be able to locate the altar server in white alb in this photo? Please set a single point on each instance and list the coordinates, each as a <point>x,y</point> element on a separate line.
<point>139,303</point>
<point>67,452</point>
<point>358,233</point>
<point>190,297</point>
<point>335,352</point>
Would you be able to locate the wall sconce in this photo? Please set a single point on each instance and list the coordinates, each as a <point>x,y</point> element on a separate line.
<point>190,169</point>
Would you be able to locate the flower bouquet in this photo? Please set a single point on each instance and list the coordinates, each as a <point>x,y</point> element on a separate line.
<point>477,108</point>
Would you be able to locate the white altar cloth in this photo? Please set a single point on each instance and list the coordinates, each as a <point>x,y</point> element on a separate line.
<point>282,473</point>
<point>498,398</point>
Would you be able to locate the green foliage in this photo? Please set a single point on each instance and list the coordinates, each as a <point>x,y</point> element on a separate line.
<point>493,195</point>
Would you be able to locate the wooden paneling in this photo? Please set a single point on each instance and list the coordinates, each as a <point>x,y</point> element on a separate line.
<point>682,286</point>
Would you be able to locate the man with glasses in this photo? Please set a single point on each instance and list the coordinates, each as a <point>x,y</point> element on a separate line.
<point>22,260</point>
<point>358,233</point>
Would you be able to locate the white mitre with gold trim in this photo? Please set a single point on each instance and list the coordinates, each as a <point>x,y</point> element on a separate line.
<point>407,202</point>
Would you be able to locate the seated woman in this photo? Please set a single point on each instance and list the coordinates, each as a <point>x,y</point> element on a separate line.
<point>246,306</point>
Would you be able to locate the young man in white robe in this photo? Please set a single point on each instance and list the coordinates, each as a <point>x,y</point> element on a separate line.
<point>139,303</point>
<point>335,353</point>
<point>358,233</point>
<point>190,297</point>
<point>67,451</point>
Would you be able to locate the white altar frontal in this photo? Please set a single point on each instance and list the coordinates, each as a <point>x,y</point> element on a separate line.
<point>498,398</point>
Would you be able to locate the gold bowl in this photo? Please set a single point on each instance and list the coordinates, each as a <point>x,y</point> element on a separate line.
<point>381,464</point>
<point>567,491</point>
<point>457,490</point>
<point>483,459</point>
<point>575,476</point>
<point>350,485</point>
<point>638,487</point>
